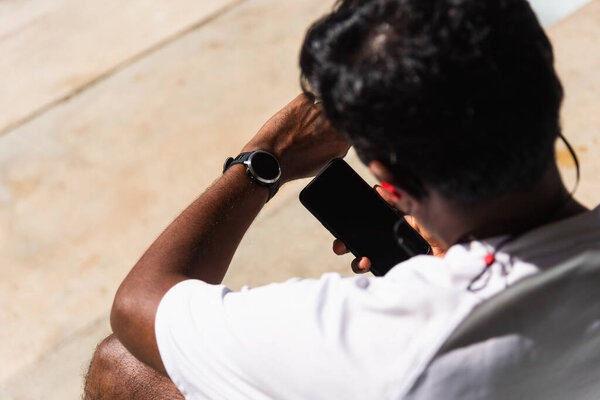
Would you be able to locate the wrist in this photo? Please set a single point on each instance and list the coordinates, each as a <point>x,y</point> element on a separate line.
<point>276,151</point>
<point>237,176</point>
<point>262,168</point>
<point>250,147</point>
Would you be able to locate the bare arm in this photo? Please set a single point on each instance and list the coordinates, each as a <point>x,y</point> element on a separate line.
<point>202,240</point>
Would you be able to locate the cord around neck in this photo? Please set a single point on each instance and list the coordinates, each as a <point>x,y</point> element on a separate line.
<point>490,258</point>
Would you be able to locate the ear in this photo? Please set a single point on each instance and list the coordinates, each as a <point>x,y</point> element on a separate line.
<point>405,202</point>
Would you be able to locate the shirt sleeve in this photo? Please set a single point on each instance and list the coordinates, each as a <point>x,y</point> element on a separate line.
<point>256,343</point>
<point>284,340</point>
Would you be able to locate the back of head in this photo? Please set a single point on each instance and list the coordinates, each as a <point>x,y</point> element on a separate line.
<point>458,95</point>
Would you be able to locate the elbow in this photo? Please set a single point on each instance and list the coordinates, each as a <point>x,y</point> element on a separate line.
<point>132,321</point>
<point>134,308</point>
<point>120,313</point>
<point>129,318</point>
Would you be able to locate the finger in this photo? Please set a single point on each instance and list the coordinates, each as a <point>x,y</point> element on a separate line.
<point>339,247</point>
<point>384,194</point>
<point>413,222</point>
<point>360,265</point>
<point>381,191</point>
<point>387,197</point>
<point>364,264</point>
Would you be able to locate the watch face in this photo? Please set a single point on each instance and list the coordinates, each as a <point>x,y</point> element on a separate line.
<point>265,167</point>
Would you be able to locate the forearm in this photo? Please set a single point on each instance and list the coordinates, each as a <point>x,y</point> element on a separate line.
<point>199,244</point>
<point>203,238</point>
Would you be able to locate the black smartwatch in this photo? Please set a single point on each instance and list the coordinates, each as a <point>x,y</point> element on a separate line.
<point>262,167</point>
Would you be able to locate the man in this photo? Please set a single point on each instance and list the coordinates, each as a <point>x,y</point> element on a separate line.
<point>455,103</point>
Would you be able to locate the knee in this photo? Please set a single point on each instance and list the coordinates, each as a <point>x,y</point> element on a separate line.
<point>109,355</point>
<point>108,364</point>
<point>116,374</point>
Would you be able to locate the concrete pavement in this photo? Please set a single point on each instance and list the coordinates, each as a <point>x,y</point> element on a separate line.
<point>115,116</point>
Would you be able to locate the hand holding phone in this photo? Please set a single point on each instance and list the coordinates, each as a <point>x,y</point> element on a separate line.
<point>355,214</point>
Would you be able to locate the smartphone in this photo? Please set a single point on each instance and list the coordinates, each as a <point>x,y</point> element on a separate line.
<point>355,214</point>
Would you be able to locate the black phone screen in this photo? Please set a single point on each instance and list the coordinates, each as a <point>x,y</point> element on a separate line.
<point>354,213</point>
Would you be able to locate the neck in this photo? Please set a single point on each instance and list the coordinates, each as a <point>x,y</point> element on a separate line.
<point>548,201</point>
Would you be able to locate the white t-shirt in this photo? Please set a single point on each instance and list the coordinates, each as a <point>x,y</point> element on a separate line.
<point>362,337</point>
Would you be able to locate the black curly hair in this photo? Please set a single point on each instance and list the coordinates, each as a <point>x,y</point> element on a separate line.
<point>458,95</point>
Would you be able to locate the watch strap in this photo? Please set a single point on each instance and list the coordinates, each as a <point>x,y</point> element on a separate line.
<point>241,159</point>
<point>237,160</point>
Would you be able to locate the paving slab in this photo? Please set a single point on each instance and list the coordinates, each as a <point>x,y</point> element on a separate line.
<point>58,374</point>
<point>577,54</point>
<point>53,48</point>
<point>86,186</point>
